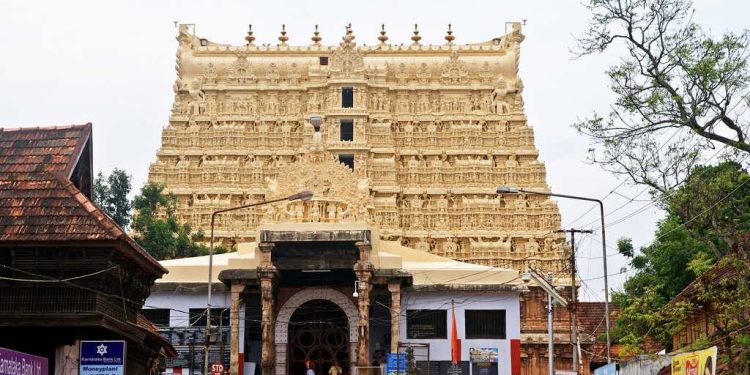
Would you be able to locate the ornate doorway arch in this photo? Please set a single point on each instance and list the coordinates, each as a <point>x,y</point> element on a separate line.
<point>281,329</point>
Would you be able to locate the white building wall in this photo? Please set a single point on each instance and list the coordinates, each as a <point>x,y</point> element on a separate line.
<point>440,349</point>
<point>181,303</point>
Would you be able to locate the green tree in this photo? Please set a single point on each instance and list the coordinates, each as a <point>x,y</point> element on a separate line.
<point>678,90</point>
<point>714,205</point>
<point>157,229</point>
<point>662,271</point>
<point>707,221</point>
<point>111,195</point>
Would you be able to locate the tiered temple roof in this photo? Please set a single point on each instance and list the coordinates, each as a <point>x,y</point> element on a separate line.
<point>427,131</point>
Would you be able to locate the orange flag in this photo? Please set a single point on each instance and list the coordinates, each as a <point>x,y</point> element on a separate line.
<point>455,341</point>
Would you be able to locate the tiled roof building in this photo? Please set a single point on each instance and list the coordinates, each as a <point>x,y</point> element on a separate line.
<point>67,271</point>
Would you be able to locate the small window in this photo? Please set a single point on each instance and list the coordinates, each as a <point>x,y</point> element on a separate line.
<point>348,160</point>
<point>485,324</point>
<point>347,97</point>
<point>160,317</point>
<point>346,130</point>
<point>198,317</point>
<point>323,60</point>
<point>426,324</point>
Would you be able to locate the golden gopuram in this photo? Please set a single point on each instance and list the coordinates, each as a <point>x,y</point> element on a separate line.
<point>412,139</point>
<point>430,131</point>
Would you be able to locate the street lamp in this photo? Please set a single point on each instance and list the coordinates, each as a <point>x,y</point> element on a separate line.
<point>302,196</point>
<point>552,297</point>
<point>509,190</point>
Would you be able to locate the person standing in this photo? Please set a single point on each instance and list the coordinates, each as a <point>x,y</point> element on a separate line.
<point>310,371</point>
<point>335,369</point>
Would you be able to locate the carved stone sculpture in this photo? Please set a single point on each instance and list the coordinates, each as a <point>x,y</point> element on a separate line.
<point>436,130</point>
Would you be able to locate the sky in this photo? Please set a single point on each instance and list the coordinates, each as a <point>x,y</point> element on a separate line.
<point>111,63</point>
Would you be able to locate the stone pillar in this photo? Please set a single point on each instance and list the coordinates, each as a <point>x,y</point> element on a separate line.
<point>267,275</point>
<point>395,288</point>
<point>363,270</point>
<point>238,286</point>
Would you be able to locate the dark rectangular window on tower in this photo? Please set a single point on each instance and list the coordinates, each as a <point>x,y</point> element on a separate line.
<point>347,97</point>
<point>347,159</point>
<point>323,60</point>
<point>346,130</point>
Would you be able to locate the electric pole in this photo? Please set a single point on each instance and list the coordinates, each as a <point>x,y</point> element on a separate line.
<point>574,296</point>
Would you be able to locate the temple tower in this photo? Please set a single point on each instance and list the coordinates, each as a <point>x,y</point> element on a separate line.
<point>428,131</point>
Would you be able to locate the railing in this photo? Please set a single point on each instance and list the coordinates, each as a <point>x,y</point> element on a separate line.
<point>189,342</point>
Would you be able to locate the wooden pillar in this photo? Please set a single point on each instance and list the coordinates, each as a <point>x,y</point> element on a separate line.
<point>363,270</point>
<point>267,275</point>
<point>238,286</point>
<point>395,288</point>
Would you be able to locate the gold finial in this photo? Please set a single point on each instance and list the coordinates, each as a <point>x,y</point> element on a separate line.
<point>416,38</point>
<point>450,36</point>
<point>349,37</point>
<point>250,38</point>
<point>382,38</point>
<point>283,38</point>
<point>316,36</point>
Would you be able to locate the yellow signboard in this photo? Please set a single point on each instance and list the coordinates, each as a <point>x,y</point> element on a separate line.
<point>702,362</point>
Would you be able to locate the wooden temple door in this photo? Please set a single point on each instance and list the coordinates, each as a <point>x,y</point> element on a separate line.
<point>318,333</point>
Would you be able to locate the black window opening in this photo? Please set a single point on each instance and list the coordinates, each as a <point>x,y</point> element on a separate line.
<point>347,97</point>
<point>485,324</point>
<point>426,324</point>
<point>346,130</point>
<point>160,317</point>
<point>323,60</point>
<point>198,317</point>
<point>347,159</point>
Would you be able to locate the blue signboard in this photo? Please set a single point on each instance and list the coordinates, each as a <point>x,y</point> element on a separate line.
<point>610,369</point>
<point>102,358</point>
<point>395,363</point>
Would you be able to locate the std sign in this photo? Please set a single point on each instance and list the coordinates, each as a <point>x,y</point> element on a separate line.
<point>102,357</point>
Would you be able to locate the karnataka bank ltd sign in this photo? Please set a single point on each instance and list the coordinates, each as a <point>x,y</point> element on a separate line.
<point>17,363</point>
<point>105,357</point>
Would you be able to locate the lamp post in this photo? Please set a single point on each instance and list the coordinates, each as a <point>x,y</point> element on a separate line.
<point>552,297</point>
<point>509,190</point>
<point>303,196</point>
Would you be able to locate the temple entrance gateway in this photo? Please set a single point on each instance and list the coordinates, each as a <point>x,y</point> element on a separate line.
<point>318,332</point>
<point>316,322</point>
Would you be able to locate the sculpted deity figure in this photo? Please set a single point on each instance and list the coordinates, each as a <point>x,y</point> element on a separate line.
<point>422,245</point>
<point>197,96</point>
<point>512,161</point>
<point>548,245</point>
<point>506,245</point>
<point>286,130</point>
<point>451,248</point>
<point>437,167</point>
<point>270,215</point>
<point>521,202</point>
<point>402,75</point>
<point>341,213</point>
<point>499,104</point>
<point>423,74</point>
<point>408,133</point>
<point>331,210</point>
<point>315,212</point>
<point>413,164</point>
<point>313,102</point>
<point>360,167</point>
<point>431,133</point>
<point>532,247</point>
<point>182,162</point>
